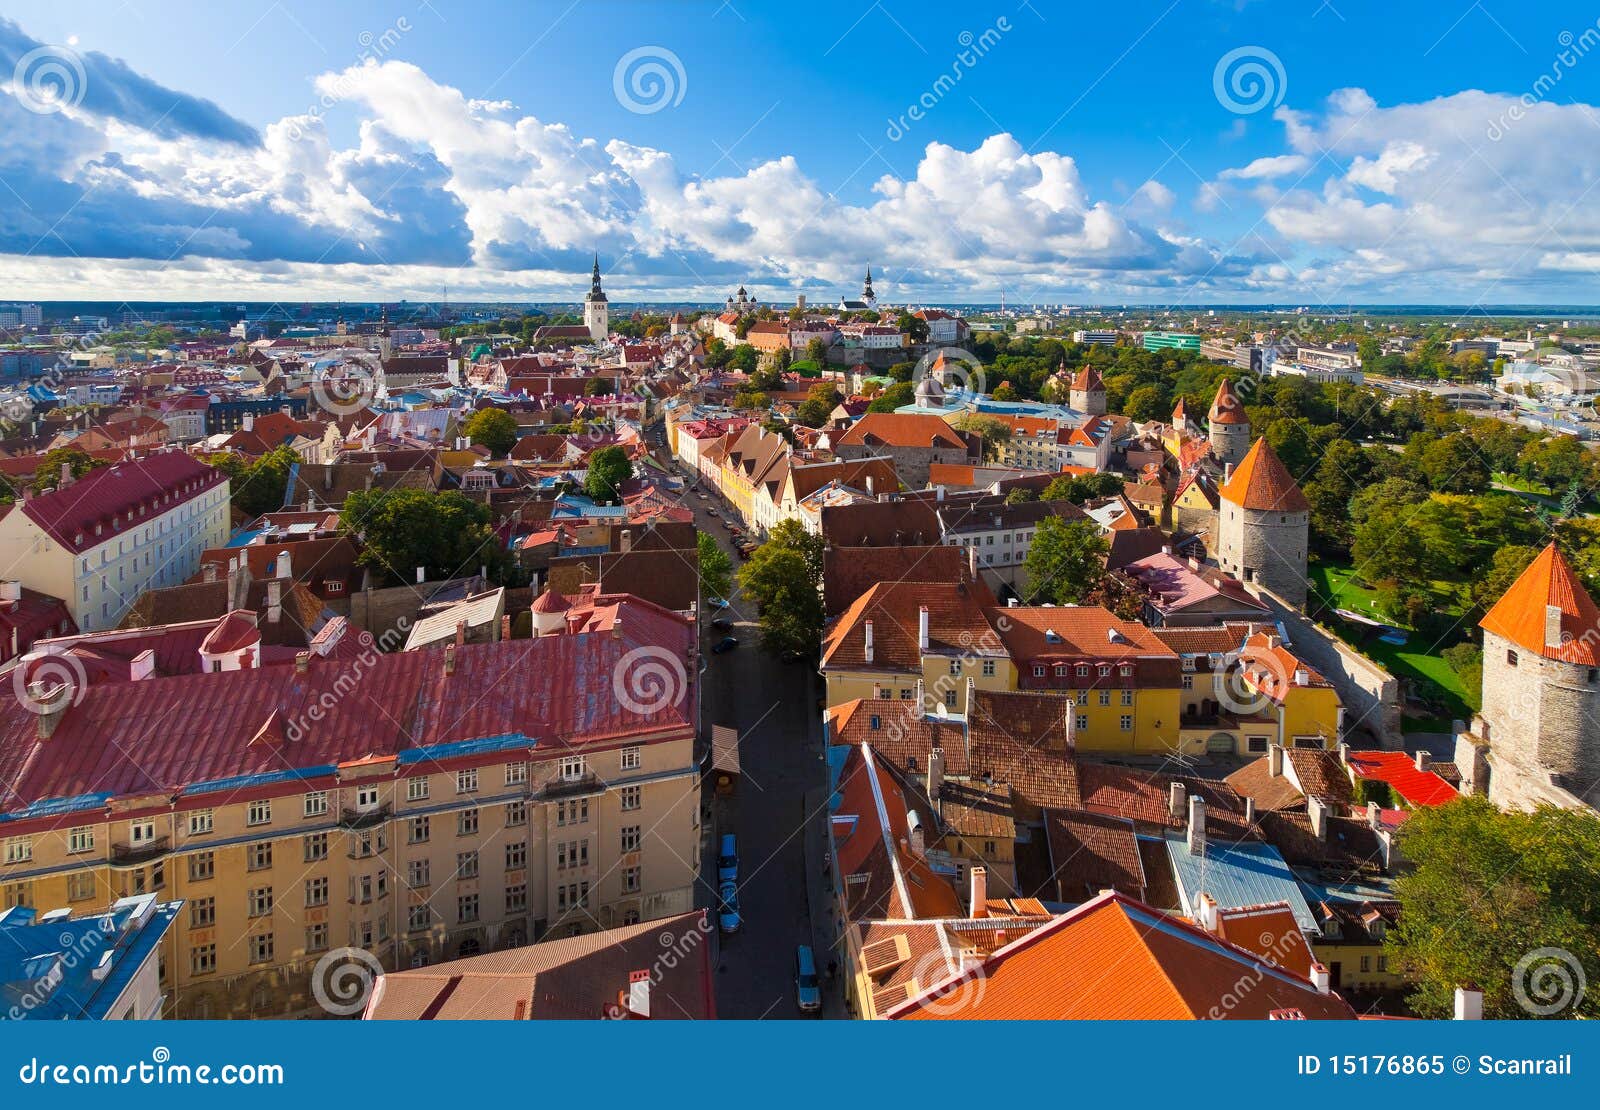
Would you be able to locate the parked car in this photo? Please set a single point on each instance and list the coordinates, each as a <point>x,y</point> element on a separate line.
<point>727,643</point>
<point>711,510</point>
<point>727,860</point>
<point>807,992</point>
<point>722,624</point>
<point>717,602</point>
<point>728,907</point>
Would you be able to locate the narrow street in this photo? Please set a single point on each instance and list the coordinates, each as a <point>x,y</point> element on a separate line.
<point>774,706</point>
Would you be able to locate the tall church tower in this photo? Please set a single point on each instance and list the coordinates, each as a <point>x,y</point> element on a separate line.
<point>867,295</point>
<point>1229,427</point>
<point>1088,392</point>
<point>1263,523</point>
<point>596,312</point>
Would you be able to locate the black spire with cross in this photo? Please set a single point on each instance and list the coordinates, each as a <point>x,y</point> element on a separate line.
<point>595,292</point>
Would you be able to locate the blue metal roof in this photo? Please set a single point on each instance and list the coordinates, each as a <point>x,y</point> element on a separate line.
<point>261,778</point>
<point>55,966</point>
<point>1247,873</point>
<point>47,807</point>
<point>466,747</point>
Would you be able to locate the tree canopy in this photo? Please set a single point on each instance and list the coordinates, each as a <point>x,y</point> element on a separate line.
<point>495,429</point>
<point>448,534</point>
<point>1065,561</point>
<point>609,467</point>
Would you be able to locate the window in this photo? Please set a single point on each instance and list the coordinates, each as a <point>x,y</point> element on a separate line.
<point>200,822</point>
<point>317,891</point>
<point>1511,658</point>
<point>202,913</point>
<point>573,812</point>
<point>572,853</point>
<point>574,767</point>
<point>1127,697</point>
<point>202,865</point>
<point>418,919</point>
<point>260,813</point>
<point>1188,682</point>
<point>316,803</point>
<point>1105,697</point>
<point>630,880</point>
<point>80,886</point>
<point>417,874</point>
<point>261,948</point>
<point>317,937</point>
<point>1082,697</point>
<point>1126,670</point>
<point>516,856</point>
<point>467,781</point>
<point>1257,745</point>
<point>140,832</point>
<point>1366,963</point>
<point>467,822</point>
<point>906,694</point>
<point>1038,670</point>
<point>316,847</point>
<point>1083,670</point>
<point>630,838</point>
<point>1061,670</point>
<point>367,799</point>
<point>467,865</point>
<point>1083,721</point>
<point>516,814</point>
<point>1125,722</point>
<point>988,668</point>
<point>258,857</point>
<point>80,840</point>
<point>632,758</point>
<point>1383,962</point>
<point>417,830</point>
<point>416,789</point>
<point>517,899</point>
<point>20,895</point>
<point>949,699</point>
<point>202,959</point>
<point>955,667</point>
<point>516,773</point>
<point>630,797</point>
<point>467,909</point>
<point>260,903</point>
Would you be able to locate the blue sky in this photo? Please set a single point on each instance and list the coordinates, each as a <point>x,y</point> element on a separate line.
<point>1087,153</point>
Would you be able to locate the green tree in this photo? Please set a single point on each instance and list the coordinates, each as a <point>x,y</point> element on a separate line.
<point>896,396</point>
<point>609,467</point>
<point>992,433</point>
<point>817,351</point>
<point>47,475</point>
<point>1078,488</point>
<point>1487,893</point>
<point>783,578</point>
<point>495,429</point>
<point>1022,495</point>
<point>1065,561</point>
<point>716,569</point>
<point>598,387</point>
<point>1454,465</point>
<point>448,534</point>
<point>1148,402</point>
<point>261,486</point>
<point>820,400</point>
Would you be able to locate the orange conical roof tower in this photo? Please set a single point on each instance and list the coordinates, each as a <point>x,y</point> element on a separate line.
<point>1226,408</point>
<point>1548,611</point>
<point>1263,483</point>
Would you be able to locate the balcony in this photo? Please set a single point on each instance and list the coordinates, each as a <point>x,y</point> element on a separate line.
<point>134,855</point>
<point>363,818</point>
<point>561,786</point>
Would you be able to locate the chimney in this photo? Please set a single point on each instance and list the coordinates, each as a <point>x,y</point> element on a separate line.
<point>1424,759</point>
<point>1317,810</point>
<point>872,485</point>
<point>935,773</point>
<point>922,629</point>
<point>285,565</point>
<point>1319,978</point>
<point>274,600</point>
<point>505,627</point>
<point>249,422</point>
<point>1374,816</point>
<point>1344,755</point>
<point>50,703</point>
<point>1208,913</point>
<point>1197,826</point>
<point>1249,811</point>
<point>1302,677</point>
<point>208,573</point>
<point>1469,1004</point>
<point>142,666</point>
<point>1274,760</point>
<point>639,993</point>
<point>449,659</point>
<point>66,476</point>
<point>422,575</point>
<point>302,662</point>
<point>626,543</point>
<point>1176,801</point>
<point>1552,626</point>
<point>938,493</point>
<point>867,650</point>
<point>461,633</point>
<point>922,698</point>
<point>979,896</point>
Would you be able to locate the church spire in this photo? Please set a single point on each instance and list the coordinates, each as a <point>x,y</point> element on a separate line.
<point>595,292</point>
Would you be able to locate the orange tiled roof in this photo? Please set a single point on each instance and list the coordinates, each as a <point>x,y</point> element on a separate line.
<point>1262,482</point>
<point>902,429</point>
<point>1519,615</point>
<point>1226,408</point>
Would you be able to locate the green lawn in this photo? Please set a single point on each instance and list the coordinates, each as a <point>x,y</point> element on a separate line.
<point>1337,583</point>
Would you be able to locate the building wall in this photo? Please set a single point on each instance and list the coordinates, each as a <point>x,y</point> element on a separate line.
<point>1230,443</point>
<point>1311,711</point>
<point>1543,716</point>
<point>843,686</point>
<point>513,851</point>
<point>1264,549</point>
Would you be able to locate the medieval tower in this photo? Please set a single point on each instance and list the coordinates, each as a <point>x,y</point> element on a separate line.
<point>1262,526</point>
<point>1088,393</point>
<point>1229,427</point>
<point>596,312</point>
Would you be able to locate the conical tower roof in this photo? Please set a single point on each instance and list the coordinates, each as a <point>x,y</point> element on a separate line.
<point>1226,408</point>
<point>1263,483</point>
<point>1548,611</point>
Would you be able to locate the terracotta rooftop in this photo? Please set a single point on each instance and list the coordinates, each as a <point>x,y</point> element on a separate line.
<point>1226,408</point>
<point>849,572</point>
<point>1261,482</point>
<point>1524,613</point>
<point>897,429</point>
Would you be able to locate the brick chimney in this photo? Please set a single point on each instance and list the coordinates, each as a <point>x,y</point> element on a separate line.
<point>867,648</point>
<point>978,897</point>
<point>1274,760</point>
<point>1317,811</point>
<point>922,629</point>
<point>1176,800</point>
<point>1424,760</point>
<point>1197,826</point>
<point>449,659</point>
<point>935,773</point>
<point>461,633</point>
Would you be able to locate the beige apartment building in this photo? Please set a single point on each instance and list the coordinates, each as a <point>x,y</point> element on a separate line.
<point>419,807</point>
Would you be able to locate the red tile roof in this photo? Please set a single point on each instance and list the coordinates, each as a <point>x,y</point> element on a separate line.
<point>1399,770</point>
<point>1226,408</point>
<point>119,498</point>
<point>901,429</point>
<point>1520,614</point>
<point>1262,482</point>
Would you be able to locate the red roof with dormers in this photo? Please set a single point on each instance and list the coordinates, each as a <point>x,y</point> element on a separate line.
<point>120,498</point>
